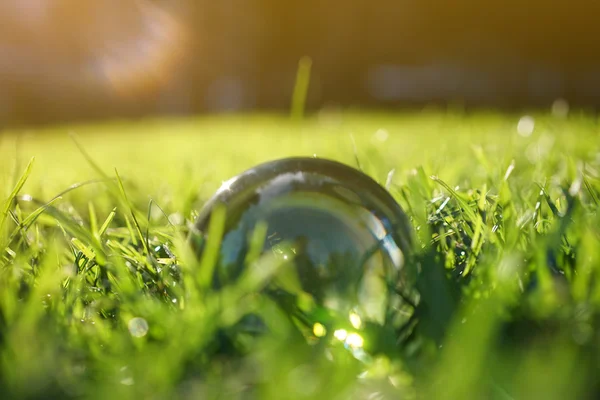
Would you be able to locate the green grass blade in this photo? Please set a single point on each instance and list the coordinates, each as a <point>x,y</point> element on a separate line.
<point>301,88</point>
<point>14,192</point>
<point>85,250</point>
<point>210,254</point>
<point>132,213</point>
<point>593,194</point>
<point>87,157</point>
<point>93,219</point>
<point>465,207</point>
<point>107,222</point>
<point>24,225</point>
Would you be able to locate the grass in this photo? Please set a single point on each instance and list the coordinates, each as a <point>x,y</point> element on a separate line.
<point>100,295</point>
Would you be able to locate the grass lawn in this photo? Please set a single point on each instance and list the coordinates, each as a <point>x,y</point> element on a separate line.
<point>101,298</point>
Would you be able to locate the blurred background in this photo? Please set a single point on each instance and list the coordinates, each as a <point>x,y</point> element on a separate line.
<point>72,60</point>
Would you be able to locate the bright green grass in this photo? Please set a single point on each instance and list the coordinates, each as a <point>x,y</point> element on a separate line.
<point>507,249</point>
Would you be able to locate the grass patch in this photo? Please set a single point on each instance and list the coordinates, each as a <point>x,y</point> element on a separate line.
<point>100,295</point>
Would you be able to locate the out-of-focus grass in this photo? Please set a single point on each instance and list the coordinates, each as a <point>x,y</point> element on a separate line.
<point>100,296</point>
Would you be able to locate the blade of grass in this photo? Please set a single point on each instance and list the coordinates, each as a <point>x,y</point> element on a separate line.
<point>24,225</point>
<point>591,191</point>
<point>14,192</point>
<point>87,157</point>
<point>355,152</point>
<point>465,208</point>
<point>132,213</point>
<point>31,218</point>
<point>148,224</point>
<point>93,219</point>
<point>107,222</point>
<point>210,254</point>
<point>85,250</point>
<point>301,88</point>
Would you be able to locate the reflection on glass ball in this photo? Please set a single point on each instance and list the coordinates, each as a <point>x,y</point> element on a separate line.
<point>342,238</point>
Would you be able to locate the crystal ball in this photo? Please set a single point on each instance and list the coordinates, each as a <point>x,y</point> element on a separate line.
<point>342,238</point>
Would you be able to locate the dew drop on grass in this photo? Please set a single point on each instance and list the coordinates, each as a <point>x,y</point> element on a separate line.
<point>319,330</point>
<point>127,378</point>
<point>376,396</point>
<point>138,327</point>
<point>526,126</point>
<point>176,219</point>
<point>354,340</point>
<point>382,135</point>
<point>127,381</point>
<point>575,187</point>
<point>340,334</point>
<point>355,320</point>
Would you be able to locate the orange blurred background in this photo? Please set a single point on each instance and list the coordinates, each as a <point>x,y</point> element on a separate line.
<point>67,60</point>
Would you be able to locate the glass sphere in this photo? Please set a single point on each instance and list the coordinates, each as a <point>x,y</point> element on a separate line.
<point>341,237</point>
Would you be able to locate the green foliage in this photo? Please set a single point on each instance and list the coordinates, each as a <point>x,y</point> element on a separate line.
<point>102,296</point>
